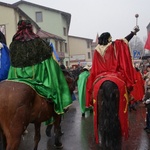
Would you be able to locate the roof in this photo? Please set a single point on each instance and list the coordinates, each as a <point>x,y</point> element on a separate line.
<point>6,4</point>
<point>17,9</point>
<point>148,27</point>
<point>80,37</point>
<point>44,34</point>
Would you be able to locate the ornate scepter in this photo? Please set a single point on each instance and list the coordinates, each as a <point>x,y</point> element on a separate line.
<point>136,16</point>
<point>135,39</point>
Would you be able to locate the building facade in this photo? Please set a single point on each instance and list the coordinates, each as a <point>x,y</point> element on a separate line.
<point>51,25</point>
<point>80,51</point>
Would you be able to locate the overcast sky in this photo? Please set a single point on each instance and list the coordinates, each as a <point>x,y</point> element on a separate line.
<point>89,17</point>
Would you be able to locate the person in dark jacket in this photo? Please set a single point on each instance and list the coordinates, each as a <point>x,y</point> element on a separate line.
<point>146,101</point>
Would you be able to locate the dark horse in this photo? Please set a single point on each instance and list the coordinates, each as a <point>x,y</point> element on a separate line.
<point>21,105</point>
<point>108,119</point>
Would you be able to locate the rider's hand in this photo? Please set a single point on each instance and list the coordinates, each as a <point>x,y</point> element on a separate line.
<point>136,29</point>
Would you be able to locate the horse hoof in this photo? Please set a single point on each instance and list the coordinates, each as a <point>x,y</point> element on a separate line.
<point>58,145</point>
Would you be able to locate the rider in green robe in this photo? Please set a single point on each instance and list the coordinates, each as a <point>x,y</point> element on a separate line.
<point>81,84</point>
<point>32,63</point>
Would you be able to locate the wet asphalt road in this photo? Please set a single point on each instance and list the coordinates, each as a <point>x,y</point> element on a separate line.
<point>78,132</point>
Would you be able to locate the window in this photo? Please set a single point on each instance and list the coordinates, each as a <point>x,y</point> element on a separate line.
<point>88,44</point>
<point>89,55</point>
<point>39,17</point>
<point>56,45</point>
<point>66,47</point>
<point>61,46</point>
<point>65,31</point>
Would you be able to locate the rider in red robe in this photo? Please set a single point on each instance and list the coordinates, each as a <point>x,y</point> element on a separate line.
<point>113,59</point>
<point>138,91</point>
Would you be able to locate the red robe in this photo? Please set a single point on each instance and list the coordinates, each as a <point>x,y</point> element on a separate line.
<point>138,89</point>
<point>116,61</point>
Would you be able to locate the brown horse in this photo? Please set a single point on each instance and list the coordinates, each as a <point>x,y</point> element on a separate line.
<point>19,106</point>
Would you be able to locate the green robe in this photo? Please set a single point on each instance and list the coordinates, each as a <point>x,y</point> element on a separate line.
<point>81,83</point>
<point>47,79</point>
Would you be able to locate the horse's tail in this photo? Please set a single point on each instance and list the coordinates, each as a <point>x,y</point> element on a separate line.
<point>108,116</point>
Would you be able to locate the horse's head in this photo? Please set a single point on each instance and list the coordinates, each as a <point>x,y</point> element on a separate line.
<point>71,83</point>
<point>70,80</point>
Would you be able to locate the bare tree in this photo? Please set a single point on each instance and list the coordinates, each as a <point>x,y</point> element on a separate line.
<point>137,46</point>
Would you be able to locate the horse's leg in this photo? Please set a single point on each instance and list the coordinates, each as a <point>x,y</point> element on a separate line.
<point>2,140</point>
<point>16,127</point>
<point>13,138</point>
<point>57,130</point>
<point>48,130</point>
<point>13,143</point>
<point>13,134</point>
<point>60,132</point>
<point>37,135</point>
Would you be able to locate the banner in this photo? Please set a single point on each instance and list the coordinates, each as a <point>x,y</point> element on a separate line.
<point>55,55</point>
<point>147,44</point>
